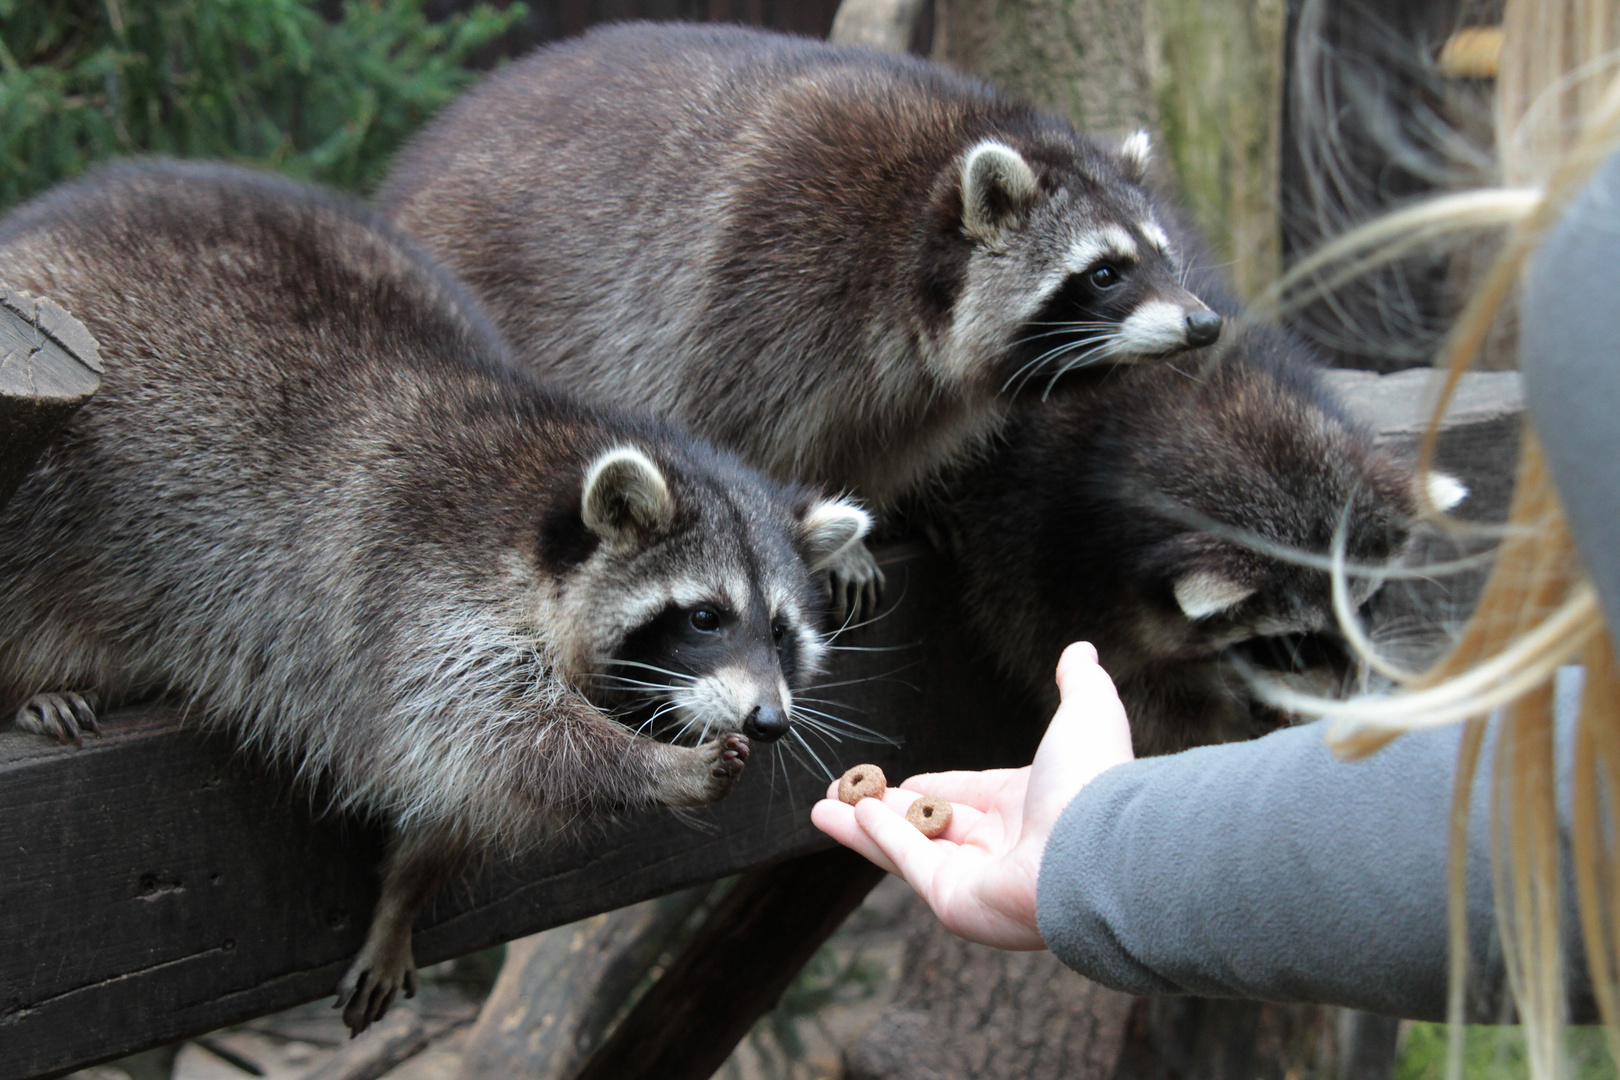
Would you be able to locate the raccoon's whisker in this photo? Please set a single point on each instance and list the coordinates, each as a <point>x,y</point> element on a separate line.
<point>632,684</point>
<point>798,757</point>
<point>1062,328</point>
<point>1088,356</point>
<point>654,667</point>
<point>1287,553</point>
<point>828,739</point>
<point>866,679</point>
<point>667,707</point>
<point>826,701</point>
<point>1091,324</point>
<point>1028,370</point>
<point>875,648</point>
<point>828,773</point>
<point>837,724</point>
<point>1089,344</point>
<point>1343,610</point>
<point>884,614</point>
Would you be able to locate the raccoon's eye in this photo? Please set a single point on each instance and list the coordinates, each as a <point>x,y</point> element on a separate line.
<point>705,620</point>
<point>1104,277</point>
<point>778,632</point>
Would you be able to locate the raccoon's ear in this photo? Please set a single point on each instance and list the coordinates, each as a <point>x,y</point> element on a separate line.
<point>998,187</point>
<point>1203,593</point>
<point>1445,490</point>
<point>830,526</point>
<point>626,498</point>
<point>1137,153</point>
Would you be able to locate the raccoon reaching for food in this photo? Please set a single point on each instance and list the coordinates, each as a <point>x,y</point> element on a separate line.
<point>1155,513</point>
<point>315,504</point>
<point>839,262</point>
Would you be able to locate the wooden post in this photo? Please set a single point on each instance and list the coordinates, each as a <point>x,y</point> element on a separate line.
<point>49,366</point>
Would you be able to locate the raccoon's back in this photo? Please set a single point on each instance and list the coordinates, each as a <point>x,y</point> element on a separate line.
<point>264,349</point>
<point>701,222</point>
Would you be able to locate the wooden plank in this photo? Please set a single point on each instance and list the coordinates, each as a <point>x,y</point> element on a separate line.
<point>49,366</point>
<point>158,885</point>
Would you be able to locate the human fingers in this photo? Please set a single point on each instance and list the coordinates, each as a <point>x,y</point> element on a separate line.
<point>1088,734</point>
<point>976,789</point>
<point>838,821</point>
<point>913,856</point>
<point>963,816</point>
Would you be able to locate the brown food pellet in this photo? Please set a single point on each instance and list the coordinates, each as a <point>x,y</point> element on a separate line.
<point>862,782</point>
<point>931,814</point>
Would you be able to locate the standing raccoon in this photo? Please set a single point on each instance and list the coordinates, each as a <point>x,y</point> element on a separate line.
<point>1127,514</point>
<point>314,504</point>
<point>836,261</point>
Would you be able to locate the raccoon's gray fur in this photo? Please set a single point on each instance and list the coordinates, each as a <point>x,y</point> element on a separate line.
<point>839,262</point>
<point>1092,521</point>
<point>314,504</point>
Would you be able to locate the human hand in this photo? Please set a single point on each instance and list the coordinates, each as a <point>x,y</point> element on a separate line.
<point>979,877</point>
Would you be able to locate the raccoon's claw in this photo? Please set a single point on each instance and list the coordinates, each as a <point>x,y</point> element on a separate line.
<point>856,585</point>
<point>369,987</point>
<point>733,755</point>
<point>63,716</point>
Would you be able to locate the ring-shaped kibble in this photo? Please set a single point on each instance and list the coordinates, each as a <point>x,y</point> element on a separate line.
<point>862,782</point>
<point>931,814</point>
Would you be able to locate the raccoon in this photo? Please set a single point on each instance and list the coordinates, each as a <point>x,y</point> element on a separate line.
<point>314,503</point>
<point>839,262</point>
<point>1126,514</point>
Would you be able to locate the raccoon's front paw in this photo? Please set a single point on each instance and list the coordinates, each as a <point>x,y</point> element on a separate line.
<point>65,716</point>
<point>856,585</point>
<point>708,773</point>
<point>370,985</point>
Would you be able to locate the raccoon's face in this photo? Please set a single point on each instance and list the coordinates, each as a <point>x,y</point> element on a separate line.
<point>1068,269</point>
<point>1233,597</point>
<point>700,593</point>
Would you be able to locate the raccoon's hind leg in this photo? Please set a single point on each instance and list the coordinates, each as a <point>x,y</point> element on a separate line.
<point>416,867</point>
<point>64,716</point>
<point>856,583</point>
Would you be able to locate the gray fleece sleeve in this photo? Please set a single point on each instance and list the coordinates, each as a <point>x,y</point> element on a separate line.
<point>1272,870</point>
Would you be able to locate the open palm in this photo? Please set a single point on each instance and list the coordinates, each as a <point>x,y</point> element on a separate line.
<point>980,876</point>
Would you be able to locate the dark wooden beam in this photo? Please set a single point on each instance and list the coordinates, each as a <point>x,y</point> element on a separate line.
<point>49,366</point>
<point>158,883</point>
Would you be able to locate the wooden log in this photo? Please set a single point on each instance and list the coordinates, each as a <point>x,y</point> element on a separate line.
<point>560,992</point>
<point>733,971</point>
<point>398,1037</point>
<point>49,366</point>
<point>971,1012</point>
<point>159,884</point>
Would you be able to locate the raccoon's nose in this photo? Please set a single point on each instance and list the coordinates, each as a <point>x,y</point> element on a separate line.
<point>766,723</point>
<point>1203,327</point>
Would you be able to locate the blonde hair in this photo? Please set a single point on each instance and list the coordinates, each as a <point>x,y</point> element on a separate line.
<point>1557,117</point>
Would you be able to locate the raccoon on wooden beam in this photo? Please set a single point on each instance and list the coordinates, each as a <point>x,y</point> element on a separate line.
<point>315,505</point>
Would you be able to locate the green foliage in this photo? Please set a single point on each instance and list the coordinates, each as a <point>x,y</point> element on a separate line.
<point>1497,1053</point>
<point>268,82</point>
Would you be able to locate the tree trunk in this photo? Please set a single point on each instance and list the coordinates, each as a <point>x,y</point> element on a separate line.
<point>560,991</point>
<point>970,1012</point>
